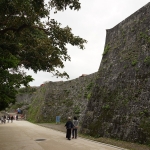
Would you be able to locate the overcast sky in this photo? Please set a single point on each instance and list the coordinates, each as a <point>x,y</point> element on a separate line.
<point>90,23</point>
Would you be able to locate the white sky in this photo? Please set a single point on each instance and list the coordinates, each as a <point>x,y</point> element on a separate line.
<point>90,23</point>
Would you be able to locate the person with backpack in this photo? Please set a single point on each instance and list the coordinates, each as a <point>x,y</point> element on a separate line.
<point>69,127</point>
<point>75,128</point>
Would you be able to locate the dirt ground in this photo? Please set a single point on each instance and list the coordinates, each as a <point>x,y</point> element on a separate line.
<point>59,127</point>
<point>24,135</point>
<point>123,144</point>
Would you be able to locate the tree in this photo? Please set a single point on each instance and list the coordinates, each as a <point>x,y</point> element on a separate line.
<point>28,42</point>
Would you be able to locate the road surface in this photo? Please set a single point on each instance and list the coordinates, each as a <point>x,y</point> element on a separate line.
<point>23,135</point>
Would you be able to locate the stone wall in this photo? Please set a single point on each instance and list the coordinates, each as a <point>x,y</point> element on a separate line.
<point>24,98</point>
<point>119,106</point>
<point>63,99</point>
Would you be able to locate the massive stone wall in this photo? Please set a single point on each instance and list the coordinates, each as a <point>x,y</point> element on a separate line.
<point>119,106</point>
<point>62,99</point>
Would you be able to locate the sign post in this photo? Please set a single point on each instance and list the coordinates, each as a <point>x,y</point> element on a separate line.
<point>57,119</point>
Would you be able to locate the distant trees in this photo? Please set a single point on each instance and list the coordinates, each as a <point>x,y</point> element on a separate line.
<point>26,41</point>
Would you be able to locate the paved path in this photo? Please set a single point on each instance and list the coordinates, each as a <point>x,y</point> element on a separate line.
<point>23,135</point>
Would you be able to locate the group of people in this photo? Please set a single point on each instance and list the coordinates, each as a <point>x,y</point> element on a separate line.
<point>71,128</point>
<point>8,117</point>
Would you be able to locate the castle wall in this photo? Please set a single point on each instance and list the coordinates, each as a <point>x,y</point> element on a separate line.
<point>62,99</point>
<point>120,101</point>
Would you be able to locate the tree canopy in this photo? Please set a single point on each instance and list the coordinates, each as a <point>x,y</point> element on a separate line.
<point>26,41</point>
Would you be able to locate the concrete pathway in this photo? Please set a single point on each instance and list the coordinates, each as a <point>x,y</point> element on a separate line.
<point>23,135</point>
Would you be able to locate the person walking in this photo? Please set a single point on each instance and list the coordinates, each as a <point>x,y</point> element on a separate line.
<point>75,127</point>
<point>17,117</point>
<point>4,118</point>
<point>12,118</point>
<point>69,126</point>
<point>8,118</point>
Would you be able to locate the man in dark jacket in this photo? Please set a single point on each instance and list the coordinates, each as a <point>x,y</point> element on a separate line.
<point>69,127</point>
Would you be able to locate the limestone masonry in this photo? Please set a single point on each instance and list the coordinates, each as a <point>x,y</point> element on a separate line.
<point>119,106</point>
<point>62,99</point>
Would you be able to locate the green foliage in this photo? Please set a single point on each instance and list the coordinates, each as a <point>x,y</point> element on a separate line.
<point>125,67</point>
<point>147,60</point>
<point>27,90</point>
<point>33,114</point>
<point>28,42</point>
<point>68,102</point>
<point>144,125</point>
<point>89,96</point>
<point>90,85</point>
<point>132,29</point>
<point>67,91</point>
<point>17,105</point>
<point>76,110</point>
<point>106,49</point>
<point>134,62</point>
<point>106,107</point>
<point>144,113</point>
<point>137,69</point>
<point>145,36</point>
<point>85,94</point>
<point>123,33</point>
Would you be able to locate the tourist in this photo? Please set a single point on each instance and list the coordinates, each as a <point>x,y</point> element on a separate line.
<point>12,118</point>
<point>4,118</point>
<point>75,127</point>
<point>8,118</point>
<point>16,117</point>
<point>69,126</point>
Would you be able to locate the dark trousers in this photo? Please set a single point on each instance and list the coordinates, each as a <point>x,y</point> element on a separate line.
<point>68,134</point>
<point>74,133</point>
